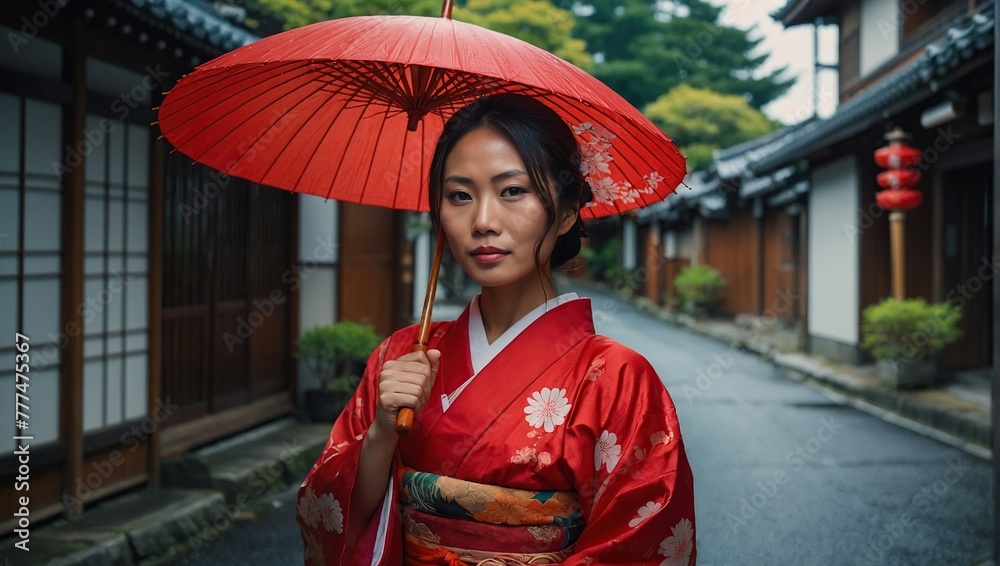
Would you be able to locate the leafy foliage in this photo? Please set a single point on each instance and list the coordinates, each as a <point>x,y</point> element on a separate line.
<point>332,351</point>
<point>537,22</point>
<point>699,287</point>
<point>266,17</point>
<point>701,121</point>
<point>601,260</point>
<point>646,48</point>
<point>908,330</point>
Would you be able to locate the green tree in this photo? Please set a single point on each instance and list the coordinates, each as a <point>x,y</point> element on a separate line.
<point>701,121</point>
<point>644,48</point>
<point>537,22</point>
<point>266,17</point>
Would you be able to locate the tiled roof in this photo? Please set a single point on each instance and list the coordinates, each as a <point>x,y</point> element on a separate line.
<point>732,162</point>
<point>796,12</point>
<point>702,192</point>
<point>197,20</point>
<point>759,185</point>
<point>963,41</point>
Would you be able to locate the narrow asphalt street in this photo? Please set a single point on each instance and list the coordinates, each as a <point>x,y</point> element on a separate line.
<point>784,474</point>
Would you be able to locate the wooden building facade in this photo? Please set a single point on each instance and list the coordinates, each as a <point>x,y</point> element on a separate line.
<point>790,218</point>
<point>162,299</point>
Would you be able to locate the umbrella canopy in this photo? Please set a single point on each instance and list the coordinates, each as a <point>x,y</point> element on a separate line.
<point>351,109</point>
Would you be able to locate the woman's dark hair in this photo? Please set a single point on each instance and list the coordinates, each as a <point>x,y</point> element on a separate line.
<point>549,151</point>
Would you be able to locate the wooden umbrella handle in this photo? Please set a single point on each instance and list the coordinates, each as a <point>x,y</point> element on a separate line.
<point>404,420</point>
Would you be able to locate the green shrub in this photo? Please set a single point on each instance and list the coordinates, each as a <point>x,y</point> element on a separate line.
<point>908,330</point>
<point>623,281</point>
<point>699,287</point>
<point>332,351</point>
<point>601,260</point>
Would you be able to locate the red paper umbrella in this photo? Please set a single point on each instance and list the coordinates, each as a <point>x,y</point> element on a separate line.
<point>352,109</point>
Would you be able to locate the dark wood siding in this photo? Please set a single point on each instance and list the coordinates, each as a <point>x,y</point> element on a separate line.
<point>780,265</point>
<point>369,275</point>
<point>732,249</point>
<point>227,257</point>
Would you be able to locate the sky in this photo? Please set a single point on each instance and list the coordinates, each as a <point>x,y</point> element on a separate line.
<point>792,47</point>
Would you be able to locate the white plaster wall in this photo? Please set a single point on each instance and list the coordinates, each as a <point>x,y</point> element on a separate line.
<point>628,243</point>
<point>880,21</point>
<point>833,252</point>
<point>319,245</point>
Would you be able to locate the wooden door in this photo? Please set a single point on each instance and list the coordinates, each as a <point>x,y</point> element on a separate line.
<point>226,297</point>
<point>369,275</point>
<point>967,262</point>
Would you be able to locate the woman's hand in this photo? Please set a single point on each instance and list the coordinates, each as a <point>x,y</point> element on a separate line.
<point>405,382</point>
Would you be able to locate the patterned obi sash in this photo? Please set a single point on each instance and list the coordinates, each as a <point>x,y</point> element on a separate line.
<point>455,522</point>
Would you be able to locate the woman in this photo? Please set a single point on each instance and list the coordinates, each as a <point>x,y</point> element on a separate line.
<point>535,440</point>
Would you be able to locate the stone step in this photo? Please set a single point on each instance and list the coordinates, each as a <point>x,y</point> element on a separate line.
<point>144,527</point>
<point>246,469</point>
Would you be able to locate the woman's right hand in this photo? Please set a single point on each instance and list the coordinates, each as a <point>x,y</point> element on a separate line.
<point>404,382</point>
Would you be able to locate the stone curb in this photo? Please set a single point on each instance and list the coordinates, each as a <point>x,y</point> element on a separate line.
<point>956,418</point>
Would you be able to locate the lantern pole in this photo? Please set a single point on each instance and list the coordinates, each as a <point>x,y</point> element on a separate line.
<point>898,196</point>
<point>897,225</point>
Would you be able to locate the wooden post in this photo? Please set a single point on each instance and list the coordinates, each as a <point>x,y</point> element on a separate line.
<point>157,147</point>
<point>994,412</point>
<point>74,72</point>
<point>897,223</point>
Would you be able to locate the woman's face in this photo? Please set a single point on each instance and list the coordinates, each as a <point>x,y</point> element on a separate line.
<point>490,212</point>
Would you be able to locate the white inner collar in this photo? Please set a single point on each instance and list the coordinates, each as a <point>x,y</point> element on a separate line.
<point>480,349</point>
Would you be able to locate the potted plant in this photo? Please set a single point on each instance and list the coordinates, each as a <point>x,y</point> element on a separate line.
<point>698,287</point>
<point>903,336</point>
<point>335,355</point>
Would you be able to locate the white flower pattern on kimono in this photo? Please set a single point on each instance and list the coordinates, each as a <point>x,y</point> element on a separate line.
<point>306,508</point>
<point>596,369</point>
<point>644,513</point>
<point>329,511</point>
<point>544,459</point>
<point>607,451</point>
<point>524,455</point>
<point>677,547</point>
<point>325,509</point>
<point>314,550</point>
<point>547,408</point>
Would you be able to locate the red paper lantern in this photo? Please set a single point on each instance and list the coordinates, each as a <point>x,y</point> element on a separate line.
<point>898,178</point>
<point>899,199</point>
<point>897,155</point>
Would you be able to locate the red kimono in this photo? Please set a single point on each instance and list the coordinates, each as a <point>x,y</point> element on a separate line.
<point>565,448</point>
